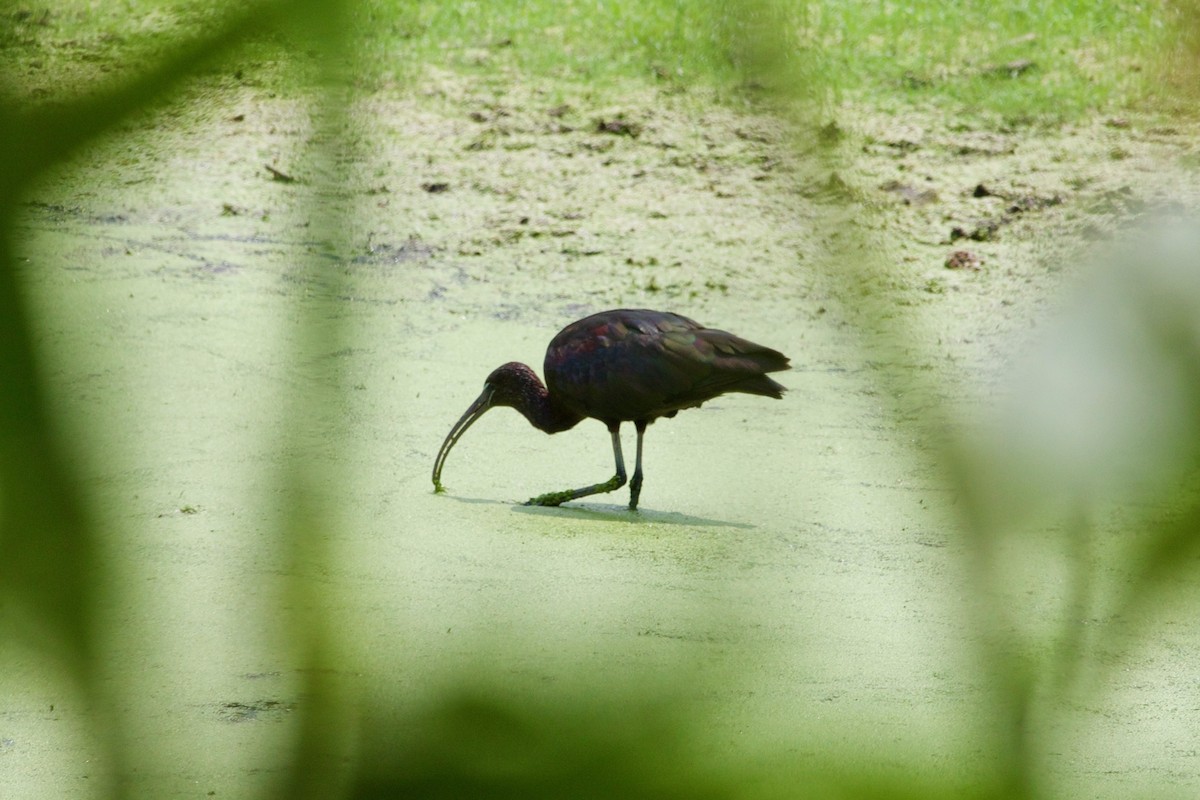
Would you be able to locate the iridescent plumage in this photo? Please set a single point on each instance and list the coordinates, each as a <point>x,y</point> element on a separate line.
<point>626,365</point>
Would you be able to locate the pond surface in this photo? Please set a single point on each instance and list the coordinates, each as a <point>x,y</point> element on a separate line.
<point>796,570</point>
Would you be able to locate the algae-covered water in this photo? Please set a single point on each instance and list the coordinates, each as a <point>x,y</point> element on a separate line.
<point>796,573</point>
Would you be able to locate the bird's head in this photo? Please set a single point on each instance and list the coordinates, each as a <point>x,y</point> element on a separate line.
<point>510,385</point>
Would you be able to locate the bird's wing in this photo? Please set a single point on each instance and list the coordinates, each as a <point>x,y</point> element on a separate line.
<point>716,362</point>
<point>641,365</point>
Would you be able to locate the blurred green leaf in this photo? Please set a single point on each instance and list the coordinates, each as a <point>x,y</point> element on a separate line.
<point>1104,409</point>
<point>472,743</point>
<point>37,138</point>
<point>52,565</point>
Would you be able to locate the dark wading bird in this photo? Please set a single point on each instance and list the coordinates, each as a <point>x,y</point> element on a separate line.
<point>622,366</point>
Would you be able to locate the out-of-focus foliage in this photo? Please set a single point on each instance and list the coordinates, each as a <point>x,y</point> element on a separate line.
<point>1107,410</point>
<point>52,566</point>
<point>1103,415</point>
<point>613,743</point>
<point>1102,411</point>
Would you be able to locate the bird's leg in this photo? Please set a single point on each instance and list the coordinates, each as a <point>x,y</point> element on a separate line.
<point>612,484</point>
<point>635,485</point>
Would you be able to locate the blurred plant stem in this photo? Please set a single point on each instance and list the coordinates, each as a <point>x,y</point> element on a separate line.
<point>52,566</point>
<point>1010,718</point>
<point>312,481</point>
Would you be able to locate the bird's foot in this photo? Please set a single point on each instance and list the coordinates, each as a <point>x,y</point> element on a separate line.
<point>635,490</point>
<point>558,498</point>
<point>550,499</point>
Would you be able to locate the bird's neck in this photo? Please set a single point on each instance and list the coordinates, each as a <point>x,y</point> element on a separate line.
<point>544,411</point>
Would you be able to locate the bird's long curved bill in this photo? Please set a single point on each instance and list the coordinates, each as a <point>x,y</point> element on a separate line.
<point>481,404</point>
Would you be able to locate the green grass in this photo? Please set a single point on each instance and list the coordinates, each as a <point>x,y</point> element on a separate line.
<point>1069,57</point>
<point>1017,59</point>
<point>599,41</point>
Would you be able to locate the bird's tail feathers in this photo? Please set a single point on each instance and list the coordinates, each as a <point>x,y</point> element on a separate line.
<point>760,384</point>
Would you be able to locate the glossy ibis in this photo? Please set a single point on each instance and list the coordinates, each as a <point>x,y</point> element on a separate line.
<point>627,365</point>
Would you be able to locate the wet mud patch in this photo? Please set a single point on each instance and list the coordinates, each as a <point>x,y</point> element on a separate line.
<point>237,713</point>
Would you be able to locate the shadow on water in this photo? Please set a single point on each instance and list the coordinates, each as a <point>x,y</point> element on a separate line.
<point>611,512</point>
<point>607,512</point>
